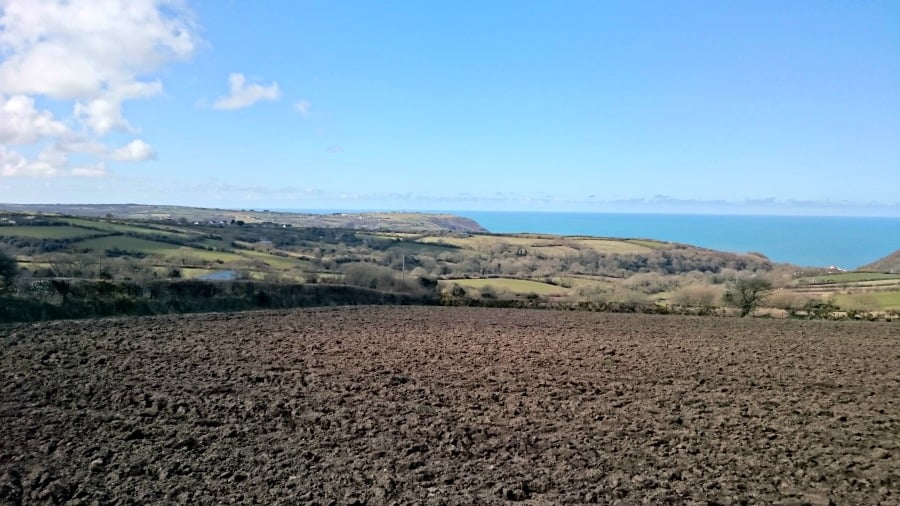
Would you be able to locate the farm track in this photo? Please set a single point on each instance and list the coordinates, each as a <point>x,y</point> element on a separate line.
<point>385,405</point>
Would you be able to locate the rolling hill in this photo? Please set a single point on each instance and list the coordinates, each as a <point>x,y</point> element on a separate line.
<point>400,222</point>
<point>889,264</point>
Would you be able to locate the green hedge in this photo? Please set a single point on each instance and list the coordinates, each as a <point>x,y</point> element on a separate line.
<point>91,299</point>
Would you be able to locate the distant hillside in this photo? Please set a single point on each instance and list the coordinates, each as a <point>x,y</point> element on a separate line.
<point>398,222</point>
<point>889,264</point>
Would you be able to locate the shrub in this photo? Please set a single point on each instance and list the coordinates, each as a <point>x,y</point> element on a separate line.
<point>650,282</point>
<point>747,294</point>
<point>9,270</point>
<point>786,299</point>
<point>697,295</point>
<point>376,277</point>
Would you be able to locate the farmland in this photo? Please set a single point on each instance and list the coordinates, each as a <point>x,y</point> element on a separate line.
<point>848,277</point>
<point>882,300</point>
<point>60,232</point>
<point>478,266</point>
<point>108,226</point>
<point>450,405</point>
<point>510,285</point>
<point>146,246</point>
<point>415,222</point>
<point>552,246</point>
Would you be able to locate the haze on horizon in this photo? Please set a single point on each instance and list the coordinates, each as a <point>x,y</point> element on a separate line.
<point>741,107</point>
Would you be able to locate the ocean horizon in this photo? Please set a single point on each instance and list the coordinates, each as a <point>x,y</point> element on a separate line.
<point>809,241</point>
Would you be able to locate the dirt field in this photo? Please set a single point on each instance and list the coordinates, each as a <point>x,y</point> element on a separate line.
<point>385,405</point>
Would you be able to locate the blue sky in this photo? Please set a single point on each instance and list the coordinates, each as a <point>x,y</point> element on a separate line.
<point>737,107</point>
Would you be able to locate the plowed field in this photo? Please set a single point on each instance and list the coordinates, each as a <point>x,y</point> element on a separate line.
<point>384,405</point>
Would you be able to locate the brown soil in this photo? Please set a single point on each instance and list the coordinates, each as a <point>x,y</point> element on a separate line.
<point>387,405</point>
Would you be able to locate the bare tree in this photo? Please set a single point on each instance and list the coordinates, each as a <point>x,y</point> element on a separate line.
<point>748,293</point>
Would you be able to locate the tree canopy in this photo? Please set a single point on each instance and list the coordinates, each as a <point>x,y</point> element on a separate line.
<point>748,293</point>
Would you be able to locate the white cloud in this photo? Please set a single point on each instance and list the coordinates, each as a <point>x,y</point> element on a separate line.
<point>243,94</point>
<point>135,151</point>
<point>21,123</point>
<point>96,170</point>
<point>75,144</point>
<point>49,162</point>
<point>303,107</point>
<point>82,49</point>
<point>105,113</point>
<point>11,162</point>
<point>97,54</point>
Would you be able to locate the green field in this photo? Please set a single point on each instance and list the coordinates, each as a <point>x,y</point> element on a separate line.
<point>582,282</point>
<point>884,300</point>
<point>547,246</point>
<point>649,243</point>
<point>419,248</point>
<point>615,246</point>
<point>278,262</point>
<point>48,232</point>
<point>213,243</point>
<point>121,228</point>
<point>523,286</point>
<point>848,277</point>
<point>149,247</point>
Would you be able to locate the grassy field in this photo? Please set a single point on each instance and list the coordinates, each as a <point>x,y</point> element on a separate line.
<point>393,222</point>
<point>106,226</point>
<point>548,246</point>
<point>47,232</point>
<point>614,246</point>
<point>476,241</point>
<point>848,277</point>
<point>213,243</point>
<point>190,272</point>
<point>419,248</point>
<point>552,251</point>
<point>649,243</point>
<point>522,286</point>
<point>149,247</point>
<point>278,262</point>
<point>883,300</point>
<point>390,235</point>
<point>582,282</point>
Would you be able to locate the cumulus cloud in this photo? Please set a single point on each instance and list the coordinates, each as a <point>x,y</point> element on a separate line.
<point>135,151</point>
<point>82,49</point>
<point>96,54</point>
<point>21,123</point>
<point>11,162</point>
<point>243,94</point>
<point>50,162</point>
<point>303,107</point>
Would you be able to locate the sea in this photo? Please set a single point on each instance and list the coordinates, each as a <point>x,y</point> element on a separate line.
<point>809,241</point>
